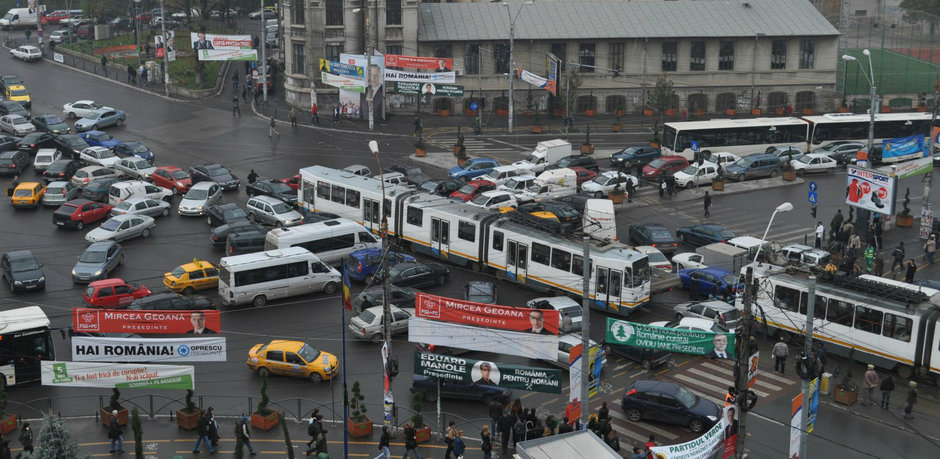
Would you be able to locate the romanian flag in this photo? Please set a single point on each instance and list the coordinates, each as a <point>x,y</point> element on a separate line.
<point>347,298</point>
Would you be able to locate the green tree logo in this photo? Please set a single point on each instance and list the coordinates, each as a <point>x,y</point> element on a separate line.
<point>622,331</point>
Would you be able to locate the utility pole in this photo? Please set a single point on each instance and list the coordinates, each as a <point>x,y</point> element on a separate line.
<point>743,359</point>
<point>264,59</point>
<point>807,357</point>
<point>166,52</point>
<point>512,67</point>
<point>386,308</point>
<point>585,330</point>
<point>928,178</point>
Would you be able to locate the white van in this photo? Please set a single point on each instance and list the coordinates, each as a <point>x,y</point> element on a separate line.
<point>19,18</point>
<point>258,277</point>
<point>121,191</point>
<point>331,241</point>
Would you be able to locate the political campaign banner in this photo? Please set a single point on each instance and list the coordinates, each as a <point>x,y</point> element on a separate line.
<point>709,344</point>
<point>813,404</point>
<point>461,370</point>
<point>935,132</point>
<point>752,369</point>
<point>418,77</point>
<point>119,375</point>
<point>796,405</point>
<point>227,54</point>
<point>903,146</point>
<point>729,431</point>
<point>339,68</point>
<point>165,44</point>
<point>354,103</point>
<point>703,447</point>
<point>408,87</point>
<point>484,339</point>
<point>202,322</point>
<point>343,82</point>
<point>215,41</point>
<point>443,309</point>
<point>532,78</point>
<point>551,68</point>
<point>910,168</point>
<point>172,350</point>
<point>871,189</point>
<point>416,62</point>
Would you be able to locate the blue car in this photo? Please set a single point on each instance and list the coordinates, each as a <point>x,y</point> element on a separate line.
<point>133,148</point>
<point>704,234</point>
<point>100,119</point>
<point>708,278</point>
<point>362,264</point>
<point>472,168</point>
<point>100,139</point>
<point>631,156</point>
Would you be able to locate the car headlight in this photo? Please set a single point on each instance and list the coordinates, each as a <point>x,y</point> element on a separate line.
<point>712,418</point>
<point>198,207</point>
<point>42,278</point>
<point>73,272</point>
<point>326,368</point>
<point>179,183</point>
<point>18,282</point>
<point>98,272</point>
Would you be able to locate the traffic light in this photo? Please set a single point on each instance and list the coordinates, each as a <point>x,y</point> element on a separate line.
<point>812,211</point>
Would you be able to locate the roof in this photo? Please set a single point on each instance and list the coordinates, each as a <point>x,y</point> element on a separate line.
<point>572,445</point>
<point>605,20</point>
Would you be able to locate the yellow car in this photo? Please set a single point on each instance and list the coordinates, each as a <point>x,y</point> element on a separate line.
<point>27,194</point>
<point>198,275</point>
<point>18,93</point>
<point>293,358</point>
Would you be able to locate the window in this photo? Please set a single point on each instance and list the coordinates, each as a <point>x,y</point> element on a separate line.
<point>299,62</point>
<point>297,11</point>
<point>778,55</point>
<point>414,216</point>
<point>560,50</point>
<point>786,298</point>
<point>297,269</point>
<point>367,238</point>
<point>393,12</point>
<point>615,59</point>
<point>295,359</point>
<point>819,307</point>
<point>333,52</point>
<point>541,253</point>
<point>352,199</point>
<point>444,51</point>
<point>868,319</point>
<point>339,194</point>
<point>198,274</point>
<point>697,58</point>
<point>277,356</point>
<point>586,55</point>
<point>395,48</point>
<point>466,231</point>
<point>726,55</point>
<point>898,327</point>
<point>670,55</point>
<point>840,312</point>
<point>561,260</point>
<point>498,241</point>
<point>471,63</point>
<point>501,56</point>
<point>334,13</point>
<point>615,283</point>
<point>807,53</point>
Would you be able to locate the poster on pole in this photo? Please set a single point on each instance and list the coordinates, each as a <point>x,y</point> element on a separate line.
<point>460,370</point>
<point>871,189</point>
<point>91,320</point>
<point>162,350</point>
<point>403,87</point>
<point>551,68</point>
<point>355,104</point>
<point>813,404</point>
<point>729,431</point>
<point>795,406</point>
<point>121,376</point>
<point>440,64</point>
<point>574,374</point>
<point>532,78</point>
<point>709,344</point>
<point>752,369</point>
<point>418,77</point>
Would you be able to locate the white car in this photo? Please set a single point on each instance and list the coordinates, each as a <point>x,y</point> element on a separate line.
<point>88,174</point>
<point>122,227</point>
<point>16,125</point>
<point>199,198</point>
<point>45,157</point>
<point>100,156</point>
<point>604,183</point>
<point>694,175</point>
<point>814,162</point>
<point>688,260</point>
<point>656,258</point>
<point>500,174</point>
<point>517,183</point>
<point>566,342</point>
<point>134,167</point>
<point>60,35</point>
<point>494,200</point>
<point>142,206</point>
<point>369,324</point>
<point>723,158</point>
<point>27,53</point>
<point>80,108</point>
<point>544,191</point>
<point>692,323</point>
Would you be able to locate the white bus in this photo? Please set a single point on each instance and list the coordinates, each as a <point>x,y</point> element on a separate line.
<point>25,341</point>
<point>742,137</point>
<point>258,277</point>
<point>852,127</point>
<point>331,240</point>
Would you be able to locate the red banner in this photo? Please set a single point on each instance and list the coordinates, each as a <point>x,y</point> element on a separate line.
<point>441,309</point>
<point>93,320</point>
<point>440,64</point>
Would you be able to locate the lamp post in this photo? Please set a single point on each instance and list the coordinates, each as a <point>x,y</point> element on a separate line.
<point>512,64</point>
<point>862,219</point>
<point>264,59</point>
<point>386,309</point>
<point>785,207</point>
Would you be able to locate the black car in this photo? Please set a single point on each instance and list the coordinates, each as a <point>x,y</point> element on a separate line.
<point>50,123</point>
<point>214,173</point>
<point>586,162</point>
<point>403,297</point>
<point>71,145</point>
<point>481,292</point>
<point>223,214</point>
<point>414,174</point>
<point>669,402</point>
<point>9,142</point>
<point>441,187</point>
<point>97,190</point>
<point>22,271</point>
<point>413,274</point>
<point>843,151</point>
<point>9,80</point>
<point>219,234</point>
<point>32,142</point>
<point>579,202</point>
<point>244,242</point>
<point>172,301</point>
<point>13,162</point>
<point>704,234</point>
<point>486,394</point>
<point>631,156</point>
<point>653,234</point>
<point>11,107</point>
<point>648,358</point>
<point>565,212</point>
<point>272,188</point>
<point>62,169</point>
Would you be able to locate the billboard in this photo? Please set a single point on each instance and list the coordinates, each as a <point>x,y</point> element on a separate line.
<point>439,64</point>
<point>339,68</point>
<point>903,146</point>
<point>203,322</point>
<point>227,54</point>
<point>871,189</point>
<point>404,87</point>
<point>121,376</point>
<point>703,447</point>
<point>212,47</point>
<point>534,346</point>
<point>418,77</point>
<point>709,344</point>
<point>469,371</point>
<point>183,349</point>
<point>355,103</point>
<point>552,68</point>
<point>442,309</point>
<point>344,82</point>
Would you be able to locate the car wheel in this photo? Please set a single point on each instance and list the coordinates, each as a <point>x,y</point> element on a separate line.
<point>800,172</point>
<point>121,260</point>
<point>634,414</point>
<point>430,396</point>
<point>188,291</point>
<point>690,185</point>
<point>696,425</point>
<point>119,122</point>
<point>599,195</point>
<point>145,234</point>
<point>79,225</point>
<point>646,364</point>
<point>377,338</point>
<point>330,288</point>
<point>166,212</point>
<point>316,377</point>
<point>264,372</point>
<point>742,178</point>
<point>259,301</point>
<point>773,173</point>
<point>441,280</point>
<point>463,179</point>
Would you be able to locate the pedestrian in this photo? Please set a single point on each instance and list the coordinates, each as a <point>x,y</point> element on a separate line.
<point>26,438</point>
<point>836,223</point>
<point>411,443</point>
<point>909,273</point>
<point>384,441</point>
<point>638,453</point>
<point>244,93</point>
<point>449,435</point>
<point>104,64</point>
<point>603,413</point>
<point>487,443</point>
<point>662,186</point>
<point>202,434</point>
<point>707,203</point>
<point>147,49</point>
<point>315,116</point>
<point>565,426</point>
<point>820,233</point>
<point>879,265</point>
<point>869,257</point>
<point>131,74</point>
<point>213,428</point>
<point>496,410</point>
<point>143,74</point>
<point>505,430</point>
<point>930,249</point>
<point>780,352</point>
<point>321,444</point>
<point>911,400</point>
<point>670,185</point>
<point>28,33</point>
<point>855,245</point>
<point>518,430</point>
<point>272,128</point>
<point>114,434</point>
<point>898,255</point>
<point>5,449</point>
<point>459,446</point>
<point>649,445</point>
<point>685,114</point>
<point>248,80</point>
<point>887,386</point>
<point>418,127</point>
<point>292,116</point>
<point>870,383</point>
<point>789,109</point>
<point>335,115</point>
<point>235,107</point>
<point>235,80</point>
<point>630,190</point>
<point>243,433</point>
<point>730,396</point>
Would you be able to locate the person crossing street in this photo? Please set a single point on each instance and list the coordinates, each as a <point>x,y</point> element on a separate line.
<point>272,128</point>
<point>707,203</point>
<point>780,352</point>
<point>235,107</point>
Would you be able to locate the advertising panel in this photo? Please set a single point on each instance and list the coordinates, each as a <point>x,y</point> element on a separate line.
<point>355,103</point>
<point>404,87</point>
<point>339,68</point>
<point>871,189</point>
<point>903,146</point>
<point>227,54</point>
<point>703,447</point>
<point>172,350</point>
<point>469,371</point>
<point>729,426</point>
<point>533,346</point>
<point>552,67</point>
<point>121,376</point>
<point>204,322</point>
<point>709,344</point>
<point>344,82</point>
<point>795,406</point>
<point>398,75</point>
<point>442,309</point>
<point>439,64</point>
<point>213,41</point>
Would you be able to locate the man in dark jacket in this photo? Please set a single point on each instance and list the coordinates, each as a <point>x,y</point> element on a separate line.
<point>505,429</point>
<point>496,410</point>
<point>603,413</point>
<point>202,434</point>
<point>244,434</point>
<point>411,443</point>
<point>114,433</point>
<point>26,438</point>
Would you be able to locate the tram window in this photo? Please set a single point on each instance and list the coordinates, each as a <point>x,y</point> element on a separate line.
<point>561,260</point>
<point>577,265</point>
<point>819,309</point>
<point>309,190</point>
<point>541,253</point>
<point>415,216</point>
<point>840,312</point>
<point>497,241</point>
<point>466,231</point>
<point>323,190</point>
<point>339,194</point>
<point>868,319</point>
<point>898,327</point>
<point>435,230</point>
<point>352,199</point>
<point>601,282</point>
<point>614,283</point>
<point>786,298</point>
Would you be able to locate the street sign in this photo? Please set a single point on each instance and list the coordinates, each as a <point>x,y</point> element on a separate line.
<point>812,186</point>
<point>694,145</point>
<point>474,106</point>
<point>812,197</point>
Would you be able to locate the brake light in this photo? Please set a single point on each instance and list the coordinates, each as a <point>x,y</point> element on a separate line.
<point>363,330</point>
<point>653,244</point>
<point>12,166</point>
<point>359,267</point>
<point>631,392</point>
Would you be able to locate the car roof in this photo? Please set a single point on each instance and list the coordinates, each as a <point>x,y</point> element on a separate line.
<point>9,154</point>
<point>480,182</point>
<point>711,270</point>
<point>101,245</point>
<point>647,249</point>
<point>77,202</point>
<point>203,185</point>
<point>717,305</point>
<point>136,199</point>
<point>108,282</point>
<point>196,264</point>
<point>816,155</point>
<point>93,132</point>
<point>696,322</point>
<point>671,157</point>
<point>366,252</point>
<point>649,385</point>
<point>267,199</point>
<point>166,168</point>
<point>97,148</point>
<point>19,254</point>
<point>285,345</point>
<point>495,193</point>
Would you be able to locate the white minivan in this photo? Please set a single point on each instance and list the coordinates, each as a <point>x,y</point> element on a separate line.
<point>259,277</point>
<point>331,240</point>
<point>19,18</point>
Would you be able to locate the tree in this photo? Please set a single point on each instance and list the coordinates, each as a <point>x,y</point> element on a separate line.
<point>138,434</point>
<point>663,96</point>
<point>916,8</point>
<point>55,442</point>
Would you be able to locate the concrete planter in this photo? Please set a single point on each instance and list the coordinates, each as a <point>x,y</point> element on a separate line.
<point>904,221</point>
<point>7,423</point>
<point>188,420</point>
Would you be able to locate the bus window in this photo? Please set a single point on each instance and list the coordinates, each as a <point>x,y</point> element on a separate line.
<point>339,194</point>
<point>786,298</point>
<point>868,319</point>
<point>352,199</point>
<point>615,283</point>
<point>323,190</point>
<point>498,241</point>
<point>840,312</point>
<point>561,259</point>
<point>898,327</point>
<point>819,308</point>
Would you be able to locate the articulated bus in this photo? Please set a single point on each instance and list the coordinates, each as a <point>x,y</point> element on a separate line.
<point>848,126</point>
<point>742,137</point>
<point>887,323</point>
<point>25,341</point>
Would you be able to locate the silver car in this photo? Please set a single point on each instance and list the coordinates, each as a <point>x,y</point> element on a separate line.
<point>45,157</point>
<point>199,198</point>
<point>122,227</point>
<point>718,311</point>
<point>368,324</point>
<point>88,174</point>
<point>272,211</point>
<point>97,262</point>
<point>59,192</point>
<point>142,206</point>
<point>134,167</point>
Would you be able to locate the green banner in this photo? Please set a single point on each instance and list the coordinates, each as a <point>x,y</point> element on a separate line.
<point>468,371</point>
<point>710,344</point>
<point>437,89</point>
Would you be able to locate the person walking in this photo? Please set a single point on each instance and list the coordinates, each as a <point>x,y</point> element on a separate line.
<point>321,445</point>
<point>870,383</point>
<point>496,410</point>
<point>272,128</point>
<point>930,249</point>
<point>5,449</point>
<point>662,185</point>
<point>26,438</point>
<point>214,436</point>
<point>911,400</point>
<point>235,108</point>
<point>252,178</point>
<point>244,434</point>
<point>638,453</point>
<point>487,443</point>
<point>411,443</point>
<point>879,265</point>
<point>708,203</point>
<point>28,34</point>
<point>235,80</point>
<point>202,434</point>
<point>383,444</point>
<point>449,435</point>
<point>418,127</point>
<point>314,114</point>
<point>887,386</point>
<point>836,223</point>
<point>820,233</point>
<point>104,65</point>
<point>505,430</point>
<point>143,74</point>
<point>855,245</point>
<point>898,255</point>
<point>292,116</point>
<point>780,352</point>
<point>244,93</point>
<point>131,74</point>
<point>459,446</point>
<point>649,445</point>
<point>114,434</point>
<point>630,190</point>
<point>604,412</point>
<point>910,271</point>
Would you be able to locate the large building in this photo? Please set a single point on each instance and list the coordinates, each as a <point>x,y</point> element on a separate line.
<point>720,55</point>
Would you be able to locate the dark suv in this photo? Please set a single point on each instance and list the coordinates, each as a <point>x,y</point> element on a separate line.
<point>665,401</point>
<point>61,170</point>
<point>246,242</point>
<point>427,387</point>
<point>22,271</point>
<point>172,301</point>
<point>586,162</point>
<point>629,157</point>
<point>13,162</point>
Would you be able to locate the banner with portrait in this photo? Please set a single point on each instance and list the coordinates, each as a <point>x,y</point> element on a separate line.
<point>440,64</point>
<point>709,344</point>
<point>404,87</point>
<point>93,320</point>
<point>214,41</point>
<point>355,104</point>
<point>703,447</point>
<point>419,77</point>
<point>461,370</point>
<point>452,310</point>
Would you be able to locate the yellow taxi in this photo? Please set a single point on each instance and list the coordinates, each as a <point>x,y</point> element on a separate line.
<point>18,93</point>
<point>198,275</point>
<point>293,358</point>
<point>27,194</point>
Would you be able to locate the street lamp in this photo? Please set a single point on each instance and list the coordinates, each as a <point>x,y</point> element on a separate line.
<point>512,65</point>
<point>386,309</point>
<point>785,207</point>
<point>862,220</point>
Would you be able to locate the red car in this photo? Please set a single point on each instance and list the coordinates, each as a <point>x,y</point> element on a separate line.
<point>472,188</point>
<point>54,17</point>
<point>668,164</point>
<point>584,175</point>
<point>113,293</point>
<point>146,16</point>
<point>292,182</point>
<point>78,212</point>
<point>172,178</point>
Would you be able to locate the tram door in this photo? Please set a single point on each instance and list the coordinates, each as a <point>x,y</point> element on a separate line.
<point>517,255</point>
<point>608,286</point>
<point>440,237</point>
<point>371,215</point>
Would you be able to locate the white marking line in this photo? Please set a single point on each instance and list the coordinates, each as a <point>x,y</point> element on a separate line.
<point>775,377</point>
<point>723,381</point>
<point>645,426</point>
<point>619,367</point>
<point>641,372</point>
<point>761,374</point>
<point>629,434</point>
<point>702,387</point>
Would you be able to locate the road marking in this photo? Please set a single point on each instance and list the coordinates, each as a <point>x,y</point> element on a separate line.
<point>634,375</point>
<point>628,433</point>
<point>780,379</point>
<point>619,367</point>
<point>723,381</point>
<point>759,382</point>
<point>620,374</point>
<point>646,426</point>
<point>702,387</point>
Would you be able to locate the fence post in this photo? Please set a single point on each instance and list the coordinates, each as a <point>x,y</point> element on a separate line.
<point>200,402</point>
<point>151,406</point>
<point>300,413</point>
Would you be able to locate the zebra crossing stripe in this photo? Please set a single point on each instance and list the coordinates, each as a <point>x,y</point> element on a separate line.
<point>659,432</point>
<point>724,382</point>
<point>760,382</point>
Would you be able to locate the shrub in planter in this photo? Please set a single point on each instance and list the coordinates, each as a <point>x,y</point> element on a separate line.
<point>7,420</point>
<point>718,183</point>
<point>847,390</point>
<point>789,173</point>
<point>358,424</point>
<point>114,405</point>
<point>904,219</point>
<point>423,432</point>
<point>421,148</point>
<point>188,417</point>
<point>616,195</point>
<point>586,147</point>
<point>263,417</point>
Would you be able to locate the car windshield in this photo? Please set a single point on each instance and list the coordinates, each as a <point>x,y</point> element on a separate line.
<point>137,148</point>
<point>103,154</point>
<point>731,315</point>
<point>23,265</point>
<point>367,316</point>
<point>111,225</point>
<point>197,195</point>
<point>308,353</point>
<point>17,119</point>
<point>805,159</point>
<point>178,272</point>
<point>282,208</point>
<point>730,279</point>
<point>180,175</point>
<point>76,143</point>
<point>89,256</point>
<point>603,179</point>
<point>534,188</point>
<point>23,192</point>
<point>565,162</point>
<point>54,190</point>
<point>217,172</point>
<point>480,199</point>
<point>685,397</point>
<point>14,107</point>
<point>123,205</point>
<point>140,164</point>
<point>397,269</point>
<point>279,188</point>
<point>727,234</point>
<point>44,158</point>
<point>629,151</point>
<point>234,213</point>
<point>657,257</point>
<point>6,161</point>
<point>661,235</point>
<point>467,189</point>
<point>104,137</point>
<point>19,92</point>
<point>94,115</point>
<point>657,163</point>
<point>691,170</point>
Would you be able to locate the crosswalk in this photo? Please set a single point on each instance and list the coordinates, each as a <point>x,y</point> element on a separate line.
<point>482,147</point>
